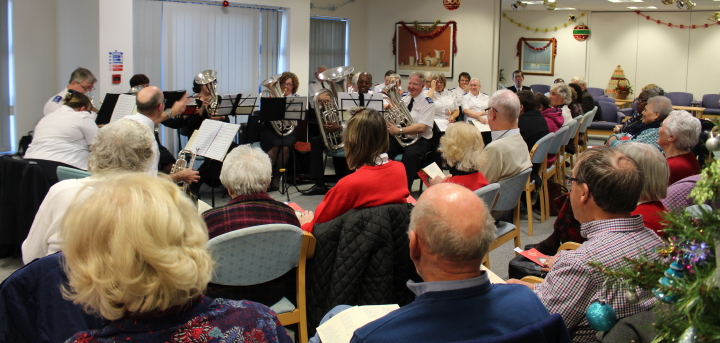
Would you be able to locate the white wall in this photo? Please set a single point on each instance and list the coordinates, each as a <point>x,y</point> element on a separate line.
<point>356,13</point>
<point>77,39</point>
<point>115,34</point>
<point>477,35</point>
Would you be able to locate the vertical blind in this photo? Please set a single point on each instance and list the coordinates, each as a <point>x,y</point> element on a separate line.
<point>327,43</point>
<point>5,127</point>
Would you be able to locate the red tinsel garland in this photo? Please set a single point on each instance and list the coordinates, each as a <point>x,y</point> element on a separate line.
<point>673,25</point>
<point>433,34</point>
<point>523,40</point>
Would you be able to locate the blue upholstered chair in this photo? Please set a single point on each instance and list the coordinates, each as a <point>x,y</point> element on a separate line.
<point>262,253</point>
<point>553,150</point>
<point>488,194</point>
<point>510,191</point>
<point>587,119</point>
<point>538,156</point>
<point>680,98</point>
<point>610,117</point>
<point>595,92</point>
<point>571,140</point>
<point>603,98</point>
<point>710,102</point>
<point>540,88</point>
<point>65,173</point>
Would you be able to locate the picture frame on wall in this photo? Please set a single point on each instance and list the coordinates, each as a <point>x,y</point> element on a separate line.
<point>537,57</point>
<point>417,54</point>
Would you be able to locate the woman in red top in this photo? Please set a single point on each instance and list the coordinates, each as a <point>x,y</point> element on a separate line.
<point>678,134</point>
<point>377,180</point>
<point>655,171</point>
<point>462,146</point>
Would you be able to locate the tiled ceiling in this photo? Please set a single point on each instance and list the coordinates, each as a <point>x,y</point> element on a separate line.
<point>605,5</point>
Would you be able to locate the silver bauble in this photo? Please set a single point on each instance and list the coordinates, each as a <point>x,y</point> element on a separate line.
<point>713,144</point>
<point>632,296</point>
<point>688,336</point>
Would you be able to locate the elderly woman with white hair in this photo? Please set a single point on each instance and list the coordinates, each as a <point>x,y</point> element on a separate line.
<point>647,131</point>
<point>136,254</point>
<point>462,147</point>
<point>475,103</point>
<point>677,135</point>
<point>560,99</point>
<point>121,146</point>
<point>655,171</point>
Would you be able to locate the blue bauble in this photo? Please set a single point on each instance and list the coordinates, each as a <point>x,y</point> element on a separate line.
<point>601,316</point>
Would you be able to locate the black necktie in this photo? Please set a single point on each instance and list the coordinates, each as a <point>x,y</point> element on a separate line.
<point>323,84</point>
<point>362,99</point>
<point>412,100</point>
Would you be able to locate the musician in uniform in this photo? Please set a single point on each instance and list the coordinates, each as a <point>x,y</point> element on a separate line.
<point>474,103</point>
<point>422,111</point>
<point>81,80</point>
<point>379,87</point>
<point>271,142</point>
<point>443,100</point>
<point>316,85</point>
<point>428,77</point>
<point>463,86</point>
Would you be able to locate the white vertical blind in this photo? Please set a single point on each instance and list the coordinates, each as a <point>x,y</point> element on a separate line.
<point>270,49</point>
<point>327,43</point>
<point>5,127</point>
<point>147,40</point>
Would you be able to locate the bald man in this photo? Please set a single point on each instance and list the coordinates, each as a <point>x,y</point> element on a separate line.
<point>450,233</point>
<point>151,111</point>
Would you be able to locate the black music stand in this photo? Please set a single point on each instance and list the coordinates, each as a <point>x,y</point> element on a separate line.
<point>244,106</point>
<point>289,108</point>
<point>106,110</point>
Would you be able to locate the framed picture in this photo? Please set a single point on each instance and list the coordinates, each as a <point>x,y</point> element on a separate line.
<point>536,56</point>
<point>417,54</point>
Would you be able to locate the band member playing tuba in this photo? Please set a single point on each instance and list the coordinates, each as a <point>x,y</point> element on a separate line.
<point>422,111</point>
<point>271,142</point>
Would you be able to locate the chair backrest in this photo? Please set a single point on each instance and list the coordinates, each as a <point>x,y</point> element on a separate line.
<point>255,254</point>
<point>587,119</point>
<point>558,140</point>
<point>572,129</point>
<point>594,91</point>
<point>488,194</point>
<point>711,101</point>
<point>510,190</point>
<point>65,173</point>
<point>603,98</point>
<point>540,88</point>
<point>609,111</point>
<point>543,145</point>
<point>680,98</point>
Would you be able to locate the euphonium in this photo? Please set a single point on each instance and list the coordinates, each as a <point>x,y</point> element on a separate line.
<point>186,158</point>
<point>273,90</point>
<point>326,104</point>
<point>397,114</point>
<point>209,77</point>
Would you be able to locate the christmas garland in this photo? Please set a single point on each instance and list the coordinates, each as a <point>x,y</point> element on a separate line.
<point>421,28</point>
<point>436,32</point>
<point>524,40</point>
<point>547,29</point>
<point>659,22</point>
<point>331,8</point>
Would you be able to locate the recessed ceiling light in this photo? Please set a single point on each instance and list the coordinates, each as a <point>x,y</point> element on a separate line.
<point>539,2</point>
<point>628,0</point>
<point>565,9</point>
<point>643,8</point>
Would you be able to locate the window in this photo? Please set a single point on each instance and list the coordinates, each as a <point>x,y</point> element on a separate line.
<point>328,43</point>
<point>7,130</point>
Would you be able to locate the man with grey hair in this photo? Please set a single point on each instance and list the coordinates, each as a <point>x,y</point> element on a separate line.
<point>450,232</point>
<point>316,84</point>
<point>507,154</point>
<point>81,81</point>
<point>428,77</point>
<point>585,98</point>
<point>605,188</point>
<point>122,146</point>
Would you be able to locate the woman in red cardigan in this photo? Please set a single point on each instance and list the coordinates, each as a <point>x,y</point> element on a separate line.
<point>462,147</point>
<point>679,133</point>
<point>377,180</point>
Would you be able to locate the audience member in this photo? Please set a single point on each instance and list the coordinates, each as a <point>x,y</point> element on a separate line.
<point>136,254</point>
<point>637,114</point>
<point>571,284</point>
<point>560,97</point>
<point>462,147</point>
<point>518,77</point>
<point>532,123</point>
<point>543,102</point>
<point>678,194</point>
<point>676,136</point>
<point>656,110</point>
<point>584,97</point>
<point>575,106</point>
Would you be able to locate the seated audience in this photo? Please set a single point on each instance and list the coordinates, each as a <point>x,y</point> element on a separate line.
<point>136,254</point>
<point>655,172</point>
<point>376,181</point>
<point>584,97</point>
<point>678,194</point>
<point>575,106</point>
<point>542,100</point>
<point>246,174</point>
<point>560,99</point>
<point>531,123</point>
<point>640,103</point>
<point>647,131</point>
<point>506,160</point>
<point>462,147</point>
<point>677,135</point>
<point>122,146</point>
<point>571,285</point>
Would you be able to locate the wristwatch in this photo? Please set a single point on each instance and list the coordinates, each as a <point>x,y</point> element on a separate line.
<point>401,131</point>
<point>168,111</point>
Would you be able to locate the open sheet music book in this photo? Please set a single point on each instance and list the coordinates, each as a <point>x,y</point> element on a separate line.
<point>125,106</point>
<point>340,328</point>
<point>480,126</point>
<point>213,139</point>
<point>430,172</point>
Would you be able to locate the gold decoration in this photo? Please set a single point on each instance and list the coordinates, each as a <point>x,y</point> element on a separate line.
<point>421,28</point>
<point>547,29</point>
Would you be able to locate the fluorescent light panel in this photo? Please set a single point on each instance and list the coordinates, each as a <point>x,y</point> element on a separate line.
<point>643,8</point>
<point>539,2</point>
<point>565,9</point>
<point>628,0</point>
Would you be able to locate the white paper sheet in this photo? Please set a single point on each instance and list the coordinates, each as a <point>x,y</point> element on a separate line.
<point>442,124</point>
<point>493,277</point>
<point>340,328</point>
<point>214,138</point>
<point>433,171</point>
<point>124,107</point>
<point>480,126</point>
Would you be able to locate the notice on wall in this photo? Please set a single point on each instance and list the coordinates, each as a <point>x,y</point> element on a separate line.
<point>115,60</point>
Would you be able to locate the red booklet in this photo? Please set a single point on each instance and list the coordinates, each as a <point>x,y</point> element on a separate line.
<point>424,177</point>
<point>411,200</point>
<point>296,207</point>
<point>534,256</point>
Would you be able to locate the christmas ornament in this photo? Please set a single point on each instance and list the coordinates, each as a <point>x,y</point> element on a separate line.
<point>632,296</point>
<point>713,143</point>
<point>601,316</point>
<point>689,335</point>
<point>617,75</point>
<point>226,3</point>
<point>581,32</point>
<point>451,5</point>
<point>671,274</point>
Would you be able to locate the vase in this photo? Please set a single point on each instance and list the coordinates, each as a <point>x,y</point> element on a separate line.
<point>622,95</point>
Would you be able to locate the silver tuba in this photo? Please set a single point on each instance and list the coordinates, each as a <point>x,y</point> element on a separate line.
<point>186,159</point>
<point>209,77</point>
<point>273,90</point>
<point>326,104</point>
<point>397,114</point>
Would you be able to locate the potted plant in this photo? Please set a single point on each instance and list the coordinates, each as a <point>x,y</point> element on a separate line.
<point>623,89</point>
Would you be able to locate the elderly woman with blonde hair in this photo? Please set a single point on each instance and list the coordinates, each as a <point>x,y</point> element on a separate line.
<point>135,253</point>
<point>677,135</point>
<point>462,147</point>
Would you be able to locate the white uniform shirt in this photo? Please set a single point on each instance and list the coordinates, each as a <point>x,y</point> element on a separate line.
<point>379,87</point>
<point>313,88</point>
<point>55,102</point>
<point>143,119</point>
<point>474,103</point>
<point>443,102</point>
<point>423,112</point>
<point>64,136</point>
<point>459,92</point>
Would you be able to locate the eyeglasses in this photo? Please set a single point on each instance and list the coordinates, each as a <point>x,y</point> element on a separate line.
<point>489,108</point>
<point>639,99</point>
<point>86,88</point>
<point>569,180</point>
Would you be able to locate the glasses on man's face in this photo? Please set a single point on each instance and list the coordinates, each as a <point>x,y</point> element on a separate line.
<point>569,180</point>
<point>639,99</point>
<point>89,88</point>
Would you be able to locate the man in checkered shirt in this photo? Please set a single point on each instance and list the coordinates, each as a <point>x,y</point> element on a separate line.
<point>606,186</point>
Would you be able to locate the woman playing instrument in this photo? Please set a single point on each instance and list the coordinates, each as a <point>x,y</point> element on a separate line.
<point>462,147</point>
<point>276,145</point>
<point>366,140</point>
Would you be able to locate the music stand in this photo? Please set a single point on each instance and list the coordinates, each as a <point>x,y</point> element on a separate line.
<point>106,110</point>
<point>350,100</point>
<point>244,106</point>
<point>289,108</point>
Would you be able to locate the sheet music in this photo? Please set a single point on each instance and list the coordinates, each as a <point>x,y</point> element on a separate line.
<point>124,107</point>
<point>442,124</point>
<point>350,100</point>
<point>480,126</point>
<point>214,138</point>
<point>246,106</point>
<point>340,328</point>
<point>294,107</point>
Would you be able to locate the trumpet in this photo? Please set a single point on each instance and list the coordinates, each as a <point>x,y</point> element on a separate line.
<point>398,115</point>
<point>186,158</point>
<point>273,90</point>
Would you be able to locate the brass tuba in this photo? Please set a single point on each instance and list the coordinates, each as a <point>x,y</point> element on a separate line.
<point>326,104</point>
<point>273,90</point>
<point>186,159</point>
<point>209,77</point>
<point>397,114</point>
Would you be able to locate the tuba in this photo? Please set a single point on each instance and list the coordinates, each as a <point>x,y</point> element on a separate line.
<point>186,159</point>
<point>326,104</point>
<point>398,115</point>
<point>273,90</point>
<point>209,77</point>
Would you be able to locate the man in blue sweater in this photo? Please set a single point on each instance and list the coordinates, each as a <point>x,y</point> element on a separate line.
<point>450,233</point>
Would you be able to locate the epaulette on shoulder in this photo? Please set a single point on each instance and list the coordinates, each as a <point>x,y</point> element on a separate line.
<point>430,101</point>
<point>404,93</point>
<point>57,98</point>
